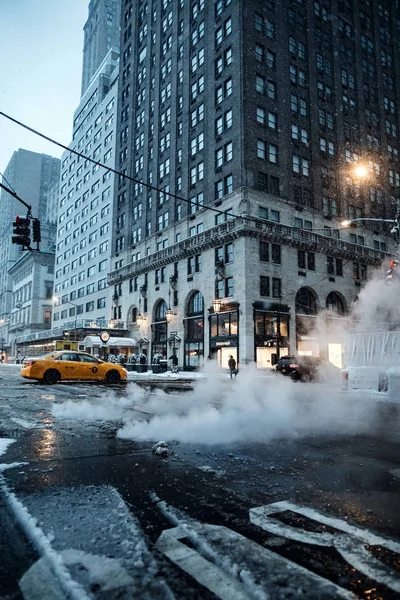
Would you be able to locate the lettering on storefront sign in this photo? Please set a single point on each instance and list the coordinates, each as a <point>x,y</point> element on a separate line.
<point>222,343</point>
<point>305,338</point>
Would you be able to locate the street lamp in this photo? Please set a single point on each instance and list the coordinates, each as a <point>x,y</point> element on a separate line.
<point>216,304</point>
<point>349,222</point>
<point>363,171</point>
<point>140,319</point>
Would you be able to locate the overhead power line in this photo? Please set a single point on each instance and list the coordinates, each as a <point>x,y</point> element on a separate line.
<point>124,175</point>
<point>7,182</point>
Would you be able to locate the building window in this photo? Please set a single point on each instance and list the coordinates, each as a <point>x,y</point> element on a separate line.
<point>264,286</point>
<point>264,251</point>
<point>276,287</point>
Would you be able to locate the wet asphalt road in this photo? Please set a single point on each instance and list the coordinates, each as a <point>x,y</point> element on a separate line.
<point>349,478</point>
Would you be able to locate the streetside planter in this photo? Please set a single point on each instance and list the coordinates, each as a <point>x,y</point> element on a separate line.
<point>156,368</point>
<point>141,368</point>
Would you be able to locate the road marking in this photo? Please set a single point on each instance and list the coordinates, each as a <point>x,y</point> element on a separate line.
<point>350,544</point>
<point>242,562</point>
<point>204,572</point>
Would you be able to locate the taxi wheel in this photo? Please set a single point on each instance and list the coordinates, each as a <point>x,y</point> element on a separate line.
<point>113,377</point>
<point>51,377</point>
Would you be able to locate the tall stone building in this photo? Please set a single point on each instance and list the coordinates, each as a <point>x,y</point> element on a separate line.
<point>101,33</point>
<point>247,121</point>
<point>31,176</point>
<point>85,209</point>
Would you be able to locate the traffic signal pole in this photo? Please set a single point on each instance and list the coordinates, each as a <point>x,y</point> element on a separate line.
<point>22,224</point>
<point>9,191</point>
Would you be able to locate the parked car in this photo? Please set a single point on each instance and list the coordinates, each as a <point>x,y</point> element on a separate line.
<point>65,366</point>
<point>285,364</point>
<point>303,368</point>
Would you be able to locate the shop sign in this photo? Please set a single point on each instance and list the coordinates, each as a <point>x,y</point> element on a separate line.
<point>66,345</point>
<point>307,338</point>
<point>215,343</point>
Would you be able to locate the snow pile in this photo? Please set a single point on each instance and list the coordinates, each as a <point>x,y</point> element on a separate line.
<point>66,524</point>
<point>4,443</point>
<point>161,449</point>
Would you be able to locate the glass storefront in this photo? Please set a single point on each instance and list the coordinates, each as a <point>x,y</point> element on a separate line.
<point>224,337</point>
<point>307,342</point>
<point>159,331</point>
<point>194,342</point>
<point>194,333</point>
<point>271,334</point>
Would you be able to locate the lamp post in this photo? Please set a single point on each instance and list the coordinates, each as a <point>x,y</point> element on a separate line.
<point>364,172</point>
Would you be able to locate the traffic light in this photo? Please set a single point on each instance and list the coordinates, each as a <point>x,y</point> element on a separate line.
<point>36,231</point>
<point>391,271</point>
<point>22,231</point>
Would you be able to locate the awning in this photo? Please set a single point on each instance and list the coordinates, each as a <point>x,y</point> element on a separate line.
<point>94,341</point>
<point>121,343</point>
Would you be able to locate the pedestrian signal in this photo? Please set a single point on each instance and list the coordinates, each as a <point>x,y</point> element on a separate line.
<point>36,231</point>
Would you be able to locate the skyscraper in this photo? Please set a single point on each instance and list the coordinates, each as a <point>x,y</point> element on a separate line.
<point>85,208</point>
<point>101,33</point>
<point>31,176</point>
<point>249,119</point>
<point>86,191</point>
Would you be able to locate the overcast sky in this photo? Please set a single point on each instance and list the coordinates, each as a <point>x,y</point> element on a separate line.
<point>41,43</point>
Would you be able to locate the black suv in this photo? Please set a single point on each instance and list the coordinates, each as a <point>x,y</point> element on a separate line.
<point>303,368</point>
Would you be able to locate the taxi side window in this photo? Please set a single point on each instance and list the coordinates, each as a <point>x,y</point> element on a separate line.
<point>88,358</point>
<point>68,356</point>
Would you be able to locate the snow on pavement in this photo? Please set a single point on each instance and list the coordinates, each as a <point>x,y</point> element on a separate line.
<point>4,443</point>
<point>66,524</point>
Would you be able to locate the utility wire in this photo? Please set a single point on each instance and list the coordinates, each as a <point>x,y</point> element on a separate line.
<point>120,174</point>
<point>7,182</point>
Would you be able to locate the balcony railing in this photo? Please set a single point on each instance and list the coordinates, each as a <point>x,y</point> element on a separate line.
<point>57,332</point>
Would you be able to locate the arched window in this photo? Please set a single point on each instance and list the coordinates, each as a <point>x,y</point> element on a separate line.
<point>161,311</point>
<point>306,303</point>
<point>134,314</point>
<point>335,303</point>
<point>196,304</point>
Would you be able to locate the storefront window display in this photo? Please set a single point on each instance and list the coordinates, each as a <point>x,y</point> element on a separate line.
<point>194,332</point>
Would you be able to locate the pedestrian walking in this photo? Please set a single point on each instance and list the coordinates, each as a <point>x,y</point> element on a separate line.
<point>232,366</point>
<point>174,363</point>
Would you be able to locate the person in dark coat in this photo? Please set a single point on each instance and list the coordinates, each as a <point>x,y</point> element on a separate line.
<point>174,360</point>
<point>232,366</point>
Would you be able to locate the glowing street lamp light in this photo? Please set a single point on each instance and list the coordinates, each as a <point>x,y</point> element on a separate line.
<point>169,314</point>
<point>140,319</point>
<point>350,222</point>
<point>361,171</point>
<point>216,304</point>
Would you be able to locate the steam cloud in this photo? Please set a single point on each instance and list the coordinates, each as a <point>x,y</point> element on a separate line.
<point>255,406</point>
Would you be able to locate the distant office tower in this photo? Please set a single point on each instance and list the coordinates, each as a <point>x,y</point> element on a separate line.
<point>101,34</point>
<point>31,176</point>
<point>253,116</point>
<point>84,223</point>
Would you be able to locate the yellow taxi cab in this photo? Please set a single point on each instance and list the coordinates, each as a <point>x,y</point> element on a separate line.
<point>66,366</point>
